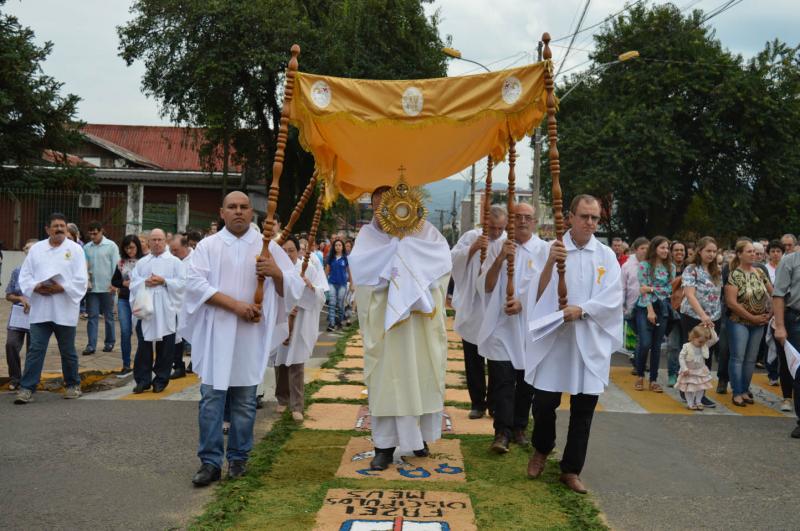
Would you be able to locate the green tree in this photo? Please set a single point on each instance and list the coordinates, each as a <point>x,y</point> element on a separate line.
<point>220,65</point>
<point>653,135</point>
<point>34,115</point>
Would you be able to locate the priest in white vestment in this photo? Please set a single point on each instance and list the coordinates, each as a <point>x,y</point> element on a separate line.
<point>163,277</point>
<point>231,337</point>
<point>570,351</point>
<point>54,278</point>
<point>290,356</point>
<point>501,337</point>
<point>179,247</point>
<point>400,290</point>
<point>469,307</point>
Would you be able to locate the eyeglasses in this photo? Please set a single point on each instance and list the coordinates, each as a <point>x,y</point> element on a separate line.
<point>523,217</point>
<point>589,217</point>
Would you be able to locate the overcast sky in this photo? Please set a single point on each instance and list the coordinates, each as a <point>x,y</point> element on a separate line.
<point>497,33</point>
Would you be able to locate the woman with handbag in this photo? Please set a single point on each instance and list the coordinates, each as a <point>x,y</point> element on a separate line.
<point>652,309</point>
<point>677,251</point>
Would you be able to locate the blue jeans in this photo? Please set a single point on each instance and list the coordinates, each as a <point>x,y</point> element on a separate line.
<point>650,338</point>
<point>97,303</point>
<point>674,345</point>
<point>242,418</point>
<point>743,344</point>
<point>336,304</point>
<point>34,361</point>
<point>125,330</point>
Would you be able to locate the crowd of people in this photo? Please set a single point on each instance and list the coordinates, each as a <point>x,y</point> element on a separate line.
<point>734,306</point>
<point>192,294</point>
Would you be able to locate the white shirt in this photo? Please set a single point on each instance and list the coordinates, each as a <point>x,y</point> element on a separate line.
<point>576,356</point>
<point>66,265</point>
<point>466,298</point>
<point>409,266</point>
<point>306,323</point>
<point>167,299</point>
<point>226,350</point>
<point>501,336</point>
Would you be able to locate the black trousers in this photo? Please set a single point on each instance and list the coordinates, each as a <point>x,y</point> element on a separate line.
<point>581,411</point>
<point>475,367</point>
<point>512,397</point>
<point>177,361</point>
<point>143,364</point>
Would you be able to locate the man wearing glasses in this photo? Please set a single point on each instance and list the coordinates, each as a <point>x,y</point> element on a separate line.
<point>501,338</point>
<point>574,355</point>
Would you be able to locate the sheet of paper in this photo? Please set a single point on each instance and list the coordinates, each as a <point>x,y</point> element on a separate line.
<point>545,325</point>
<point>19,319</point>
<point>792,358</point>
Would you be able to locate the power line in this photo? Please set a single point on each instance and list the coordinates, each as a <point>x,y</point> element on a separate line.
<point>609,17</point>
<point>523,52</point>
<point>572,40</point>
<point>721,9</point>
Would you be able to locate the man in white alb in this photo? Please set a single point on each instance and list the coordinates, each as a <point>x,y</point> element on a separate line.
<point>163,276</point>
<point>501,338</point>
<point>570,351</point>
<point>231,337</point>
<point>54,279</point>
<point>400,288</point>
<point>469,307</point>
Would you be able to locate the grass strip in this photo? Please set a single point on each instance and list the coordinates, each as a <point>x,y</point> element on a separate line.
<point>502,497</point>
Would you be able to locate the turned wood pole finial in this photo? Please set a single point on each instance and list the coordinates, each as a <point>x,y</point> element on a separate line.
<point>277,166</point>
<point>312,235</point>
<point>510,228</point>
<point>298,209</point>
<point>487,204</point>
<point>555,167</point>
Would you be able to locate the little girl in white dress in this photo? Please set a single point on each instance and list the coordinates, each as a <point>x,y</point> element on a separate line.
<point>694,377</point>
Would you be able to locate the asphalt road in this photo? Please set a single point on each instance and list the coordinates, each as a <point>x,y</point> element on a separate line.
<point>87,464</point>
<point>694,472</point>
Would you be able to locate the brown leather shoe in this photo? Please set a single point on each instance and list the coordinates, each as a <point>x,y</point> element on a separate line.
<point>519,438</point>
<point>573,482</point>
<point>500,444</point>
<point>536,464</point>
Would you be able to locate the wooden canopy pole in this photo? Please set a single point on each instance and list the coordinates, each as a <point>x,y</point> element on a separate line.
<point>277,167</point>
<point>487,204</point>
<point>512,179</point>
<point>298,209</point>
<point>312,235</point>
<point>555,168</point>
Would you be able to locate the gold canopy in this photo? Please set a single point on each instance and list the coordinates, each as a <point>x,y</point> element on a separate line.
<point>362,131</point>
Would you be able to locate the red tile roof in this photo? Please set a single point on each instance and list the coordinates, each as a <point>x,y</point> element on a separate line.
<point>73,160</point>
<point>169,148</point>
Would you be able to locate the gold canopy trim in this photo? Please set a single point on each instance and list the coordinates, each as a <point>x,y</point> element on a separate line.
<point>360,131</point>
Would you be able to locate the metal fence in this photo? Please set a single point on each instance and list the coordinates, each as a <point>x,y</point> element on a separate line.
<point>24,213</point>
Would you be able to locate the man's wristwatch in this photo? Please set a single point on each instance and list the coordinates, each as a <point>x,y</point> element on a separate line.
<point>584,316</point>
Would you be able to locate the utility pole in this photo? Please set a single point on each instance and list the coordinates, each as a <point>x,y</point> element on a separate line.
<point>453,214</point>
<point>472,199</point>
<point>536,179</point>
<point>441,212</point>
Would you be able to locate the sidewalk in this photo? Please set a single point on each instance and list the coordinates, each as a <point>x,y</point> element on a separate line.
<point>103,362</point>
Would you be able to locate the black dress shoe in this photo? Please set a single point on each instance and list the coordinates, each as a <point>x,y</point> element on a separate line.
<point>157,387</point>
<point>519,438</point>
<point>383,458</point>
<point>425,452</point>
<point>140,388</point>
<point>795,432</point>
<point>206,475</point>
<point>500,444</point>
<point>108,348</point>
<point>88,351</point>
<point>178,373</point>
<point>237,469</point>
<point>476,414</point>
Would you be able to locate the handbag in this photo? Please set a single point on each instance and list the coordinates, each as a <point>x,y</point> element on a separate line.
<point>677,293</point>
<point>142,307</point>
